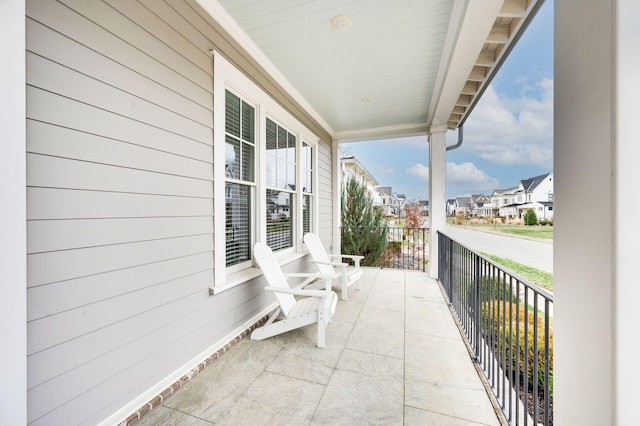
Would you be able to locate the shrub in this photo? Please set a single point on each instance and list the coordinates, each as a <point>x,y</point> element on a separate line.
<point>460,219</point>
<point>492,288</point>
<point>530,217</point>
<point>364,230</point>
<point>493,312</point>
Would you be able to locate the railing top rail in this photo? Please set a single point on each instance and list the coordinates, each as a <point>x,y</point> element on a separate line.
<point>533,287</point>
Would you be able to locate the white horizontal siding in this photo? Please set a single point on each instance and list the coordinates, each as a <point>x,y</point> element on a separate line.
<point>48,203</point>
<point>120,201</point>
<point>63,50</point>
<point>325,192</point>
<point>50,108</point>
<point>103,39</point>
<point>62,142</point>
<point>48,75</point>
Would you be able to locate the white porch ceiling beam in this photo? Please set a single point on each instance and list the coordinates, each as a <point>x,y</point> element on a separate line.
<point>477,21</point>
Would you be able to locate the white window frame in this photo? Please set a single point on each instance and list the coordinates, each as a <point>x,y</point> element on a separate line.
<point>226,76</point>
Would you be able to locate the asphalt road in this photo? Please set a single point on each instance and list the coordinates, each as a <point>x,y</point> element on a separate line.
<point>534,253</point>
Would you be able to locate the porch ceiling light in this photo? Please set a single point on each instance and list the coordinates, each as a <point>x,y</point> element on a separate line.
<point>341,23</point>
<point>367,100</point>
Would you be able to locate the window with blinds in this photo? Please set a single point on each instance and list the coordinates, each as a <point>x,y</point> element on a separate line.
<point>239,178</point>
<point>280,185</point>
<point>306,173</point>
<point>265,191</point>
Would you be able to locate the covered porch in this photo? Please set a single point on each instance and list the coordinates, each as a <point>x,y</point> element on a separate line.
<point>110,240</point>
<point>394,355</point>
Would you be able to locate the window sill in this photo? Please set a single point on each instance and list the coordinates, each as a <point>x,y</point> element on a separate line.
<point>248,274</point>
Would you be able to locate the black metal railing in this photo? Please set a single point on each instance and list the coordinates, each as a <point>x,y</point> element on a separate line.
<point>508,323</point>
<point>387,247</point>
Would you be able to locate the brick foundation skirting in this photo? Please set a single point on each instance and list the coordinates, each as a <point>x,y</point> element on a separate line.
<point>159,399</point>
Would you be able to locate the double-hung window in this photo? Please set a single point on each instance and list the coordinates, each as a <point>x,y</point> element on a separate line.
<point>239,167</point>
<point>264,176</point>
<point>280,185</point>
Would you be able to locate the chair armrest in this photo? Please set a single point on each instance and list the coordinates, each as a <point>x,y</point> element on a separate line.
<point>299,292</point>
<point>311,275</point>
<point>323,262</point>
<point>347,256</point>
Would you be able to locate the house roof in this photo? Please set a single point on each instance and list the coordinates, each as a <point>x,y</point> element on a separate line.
<point>379,69</point>
<point>463,201</point>
<point>359,168</point>
<point>508,191</point>
<point>532,183</point>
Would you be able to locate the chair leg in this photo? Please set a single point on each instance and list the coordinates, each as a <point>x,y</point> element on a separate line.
<point>322,323</point>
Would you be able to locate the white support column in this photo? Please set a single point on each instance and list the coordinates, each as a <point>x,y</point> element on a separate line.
<point>437,192</point>
<point>596,248</point>
<point>627,243</point>
<point>13,219</point>
<point>337,184</point>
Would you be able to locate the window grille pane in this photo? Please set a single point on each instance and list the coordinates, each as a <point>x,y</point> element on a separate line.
<point>272,139</point>
<point>248,122</point>
<point>282,141</point>
<point>306,158</point>
<point>237,229</point>
<point>232,114</point>
<point>306,214</point>
<point>279,219</point>
<point>232,158</point>
<point>248,169</point>
<point>307,182</point>
<point>291,176</point>
<point>271,177</point>
<point>281,173</point>
<point>291,151</point>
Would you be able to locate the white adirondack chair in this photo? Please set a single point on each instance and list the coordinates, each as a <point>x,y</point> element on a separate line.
<point>313,306</point>
<point>349,275</point>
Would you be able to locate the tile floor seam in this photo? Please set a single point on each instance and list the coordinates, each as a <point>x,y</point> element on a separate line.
<point>353,326</point>
<point>475,422</point>
<point>187,414</point>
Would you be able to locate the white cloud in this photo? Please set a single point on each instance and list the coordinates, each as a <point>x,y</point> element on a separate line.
<point>419,170</point>
<point>467,178</point>
<point>504,130</point>
<point>461,178</point>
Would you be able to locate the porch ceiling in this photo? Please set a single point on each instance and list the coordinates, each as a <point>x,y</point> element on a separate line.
<point>397,68</point>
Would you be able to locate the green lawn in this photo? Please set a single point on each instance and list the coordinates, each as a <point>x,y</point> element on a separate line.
<point>536,231</point>
<point>538,277</point>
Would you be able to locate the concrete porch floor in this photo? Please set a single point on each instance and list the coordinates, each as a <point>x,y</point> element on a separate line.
<point>394,356</point>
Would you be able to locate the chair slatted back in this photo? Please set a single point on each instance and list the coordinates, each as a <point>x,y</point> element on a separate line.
<point>273,273</point>
<point>318,253</point>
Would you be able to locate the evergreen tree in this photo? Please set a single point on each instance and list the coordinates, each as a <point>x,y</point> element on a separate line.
<point>530,217</point>
<point>364,230</point>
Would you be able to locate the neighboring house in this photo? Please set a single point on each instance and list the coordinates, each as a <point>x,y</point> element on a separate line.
<point>385,195</point>
<point>503,200</point>
<point>402,201</point>
<point>351,168</point>
<point>538,188</point>
<point>542,209</point>
<point>481,206</point>
<point>511,202</point>
<point>424,207</point>
<point>463,206</point>
<point>451,207</point>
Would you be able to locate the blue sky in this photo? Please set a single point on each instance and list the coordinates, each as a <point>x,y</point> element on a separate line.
<point>507,137</point>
